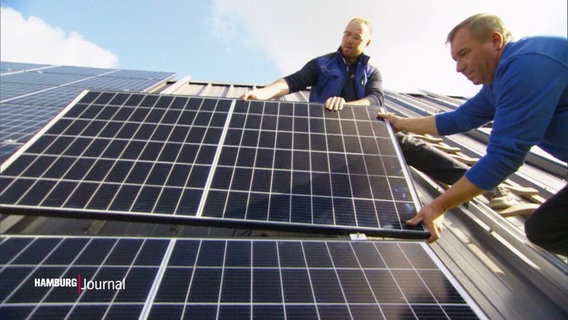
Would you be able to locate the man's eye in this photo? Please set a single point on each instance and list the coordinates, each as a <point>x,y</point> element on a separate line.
<point>354,36</point>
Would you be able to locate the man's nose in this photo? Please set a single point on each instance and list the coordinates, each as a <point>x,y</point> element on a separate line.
<point>460,66</point>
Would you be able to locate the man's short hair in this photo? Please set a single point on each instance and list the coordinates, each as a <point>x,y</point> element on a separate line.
<point>482,25</point>
<point>363,21</point>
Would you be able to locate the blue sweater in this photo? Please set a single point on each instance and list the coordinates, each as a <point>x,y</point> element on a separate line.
<point>528,104</point>
<point>328,77</point>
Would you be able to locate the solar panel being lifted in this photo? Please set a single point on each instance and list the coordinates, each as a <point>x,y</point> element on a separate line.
<point>215,161</point>
<point>145,278</point>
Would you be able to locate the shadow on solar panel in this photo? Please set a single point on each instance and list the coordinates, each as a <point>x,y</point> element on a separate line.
<point>217,162</point>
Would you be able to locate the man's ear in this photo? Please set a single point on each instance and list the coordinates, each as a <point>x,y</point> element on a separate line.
<point>498,40</point>
<point>368,43</point>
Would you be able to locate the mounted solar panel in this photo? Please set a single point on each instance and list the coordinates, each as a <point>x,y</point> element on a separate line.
<point>145,278</point>
<point>32,94</point>
<point>215,162</point>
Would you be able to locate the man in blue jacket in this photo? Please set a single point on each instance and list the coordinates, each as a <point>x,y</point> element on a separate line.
<point>525,94</point>
<point>337,77</point>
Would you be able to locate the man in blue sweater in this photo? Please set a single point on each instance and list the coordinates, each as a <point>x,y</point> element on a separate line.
<point>525,94</point>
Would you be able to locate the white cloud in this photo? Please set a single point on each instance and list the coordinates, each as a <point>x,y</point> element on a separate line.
<point>408,35</point>
<point>32,40</point>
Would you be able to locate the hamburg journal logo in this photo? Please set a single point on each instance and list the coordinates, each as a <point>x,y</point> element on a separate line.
<point>82,284</point>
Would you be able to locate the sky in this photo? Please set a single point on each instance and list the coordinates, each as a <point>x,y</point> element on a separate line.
<point>258,41</point>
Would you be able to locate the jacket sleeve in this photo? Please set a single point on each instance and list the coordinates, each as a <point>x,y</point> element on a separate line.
<point>472,114</point>
<point>374,88</point>
<point>304,77</point>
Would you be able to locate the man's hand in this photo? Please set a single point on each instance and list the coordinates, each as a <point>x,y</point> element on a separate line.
<point>253,95</point>
<point>334,103</point>
<point>461,191</point>
<point>392,119</point>
<point>276,89</point>
<point>428,216</point>
<point>420,125</point>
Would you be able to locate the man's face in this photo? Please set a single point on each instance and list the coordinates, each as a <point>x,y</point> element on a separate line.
<point>476,59</point>
<point>356,38</point>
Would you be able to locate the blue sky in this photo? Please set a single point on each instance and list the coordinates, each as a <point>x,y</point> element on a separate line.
<point>255,42</point>
<point>149,35</point>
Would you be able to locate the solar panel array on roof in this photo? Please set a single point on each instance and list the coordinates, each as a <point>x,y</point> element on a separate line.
<point>131,278</point>
<point>215,162</point>
<point>32,94</point>
<point>278,165</point>
<point>6,66</point>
